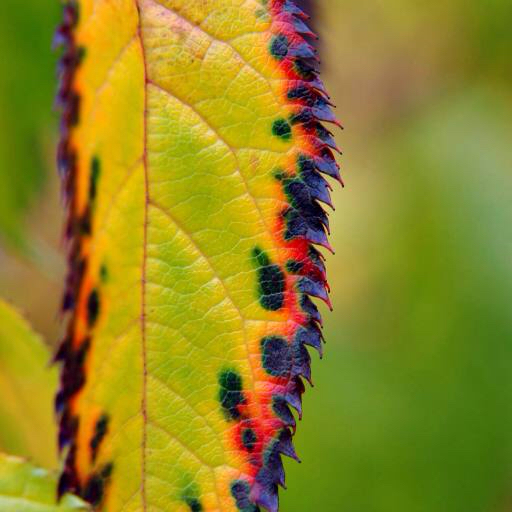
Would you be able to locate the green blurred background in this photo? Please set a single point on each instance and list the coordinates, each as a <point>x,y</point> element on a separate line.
<point>412,410</point>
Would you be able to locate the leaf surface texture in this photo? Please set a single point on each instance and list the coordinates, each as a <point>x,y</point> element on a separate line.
<point>191,154</point>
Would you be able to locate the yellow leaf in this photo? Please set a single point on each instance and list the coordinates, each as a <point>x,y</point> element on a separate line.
<point>192,153</point>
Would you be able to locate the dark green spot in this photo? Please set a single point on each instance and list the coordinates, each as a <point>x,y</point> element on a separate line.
<point>93,307</point>
<point>230,393</point>
<point>94,489</point>
<point>100,431</point>
<point>294,267</point>
<point>191,497</point>
<point>271,281</point>
<point>249,439</point>
<point>279,46</point>
<point>276,356</point>
<point>261,257</point>
<point>280,175</point>
<point>194,505</point>
<point>93,181</point>
<point>84,221</point>
<point>103,272</point>
<point>106,471</point>
<point>262,14</point>
<point>282,129</point>
<point>81,53</point>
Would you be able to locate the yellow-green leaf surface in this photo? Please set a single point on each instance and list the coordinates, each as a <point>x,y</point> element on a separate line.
<point>27,388</point>
<point>192,154</point>
<point>25,488</point>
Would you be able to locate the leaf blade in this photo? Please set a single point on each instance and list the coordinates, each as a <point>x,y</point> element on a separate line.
<point>203,200</point>
<point>27,385</point>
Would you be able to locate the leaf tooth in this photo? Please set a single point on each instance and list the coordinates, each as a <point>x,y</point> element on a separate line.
<point>266,496</point>
<point>285,445</point>
<point>326,164</point>
<point>278,471</point>
<point>304,90</point>
<point>302,28</point>
<point>323,112</point>
<point>68,301</point>
<point>318,259</point>
<point>282,408</point>
<point>271,475</point>
<point>299,228</point>
<point>314,288</point>
<point>318,85</point>
<point>306,219</point>
<point>324,138</point>
<point>63,350</point>
<point>294,395</point>
<point>312,337</point>
<point>65,160</point>
<point>302,50</point>
<point>62,36</point>
<point>318,186</point>
<point>68,428</point>
<point>301,366</point>
<point>293,9</point>
<point>309,307</point>
<point>67,483</point>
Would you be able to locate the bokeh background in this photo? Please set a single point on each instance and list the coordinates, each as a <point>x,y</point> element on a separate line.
<point>412,410</point>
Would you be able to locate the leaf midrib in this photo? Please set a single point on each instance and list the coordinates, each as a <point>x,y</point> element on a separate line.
<point>144,265</point>
<point>148,203</point>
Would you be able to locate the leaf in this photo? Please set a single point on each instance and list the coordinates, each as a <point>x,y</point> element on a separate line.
<point>27,386</point>
<point>25,488</point>
<point>192,155</point>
